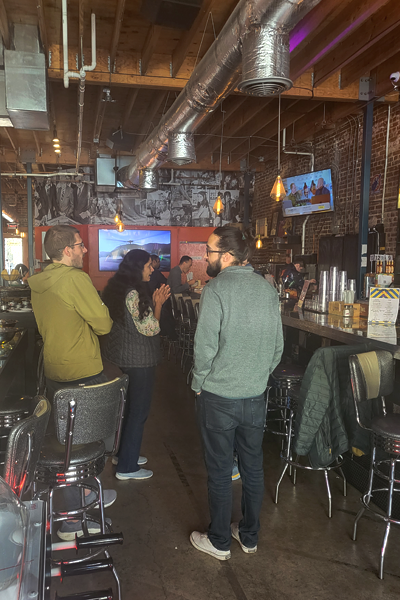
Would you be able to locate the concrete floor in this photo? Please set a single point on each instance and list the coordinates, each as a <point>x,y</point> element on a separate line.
<point>301,554</point>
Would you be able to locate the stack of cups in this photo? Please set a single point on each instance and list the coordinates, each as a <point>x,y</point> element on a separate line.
<point>351,285</point>
<point>323,291</point>
<point>333,285</point>
<point>342,284</point>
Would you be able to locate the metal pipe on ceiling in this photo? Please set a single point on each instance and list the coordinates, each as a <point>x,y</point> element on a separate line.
<point>214,78</point>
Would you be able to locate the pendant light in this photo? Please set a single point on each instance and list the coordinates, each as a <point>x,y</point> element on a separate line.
<point>219,206</point>
<point>259,243</point>
<point>278,191</point>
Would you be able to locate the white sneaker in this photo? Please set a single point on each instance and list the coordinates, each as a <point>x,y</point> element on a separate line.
<point>201,542</point>
<point>235,534</point>
<point>141,474</point>
<point>70,529</point>
<point>141,461</point>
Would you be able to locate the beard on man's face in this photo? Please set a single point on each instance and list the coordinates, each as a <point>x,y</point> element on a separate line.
<point>214,269</point>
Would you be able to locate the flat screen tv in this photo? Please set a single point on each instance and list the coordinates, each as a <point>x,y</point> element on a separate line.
<point>308,193</point>
<point>113,246</point>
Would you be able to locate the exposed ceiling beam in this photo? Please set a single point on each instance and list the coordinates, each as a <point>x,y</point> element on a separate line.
<point>149,47</point>
<point>98,122</point>
<point>128,107</point>
<point>119,16</point>
<point>242,119</point>
<point>4,26</point>
<point>213,124</point>
<point>38,151</point>
<point>42,26</point>
<point>181,50</point>
<point>374,30</point>
<point>10,140</point>
<point>371,58</point>
<point>288,117</point>
<point>309,27</point>
<point>334,34</point>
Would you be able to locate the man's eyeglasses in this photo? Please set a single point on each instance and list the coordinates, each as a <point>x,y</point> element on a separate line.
<point>81,244</point>
<point>209,251</point>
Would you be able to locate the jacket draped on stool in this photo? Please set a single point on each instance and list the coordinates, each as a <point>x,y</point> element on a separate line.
<point>325,424</point>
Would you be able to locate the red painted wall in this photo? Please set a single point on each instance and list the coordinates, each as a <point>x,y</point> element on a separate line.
<point>89,235</point>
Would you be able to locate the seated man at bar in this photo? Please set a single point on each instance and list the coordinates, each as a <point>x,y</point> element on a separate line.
<point>157,279</point>
<point>238,343</point>
<point>175,276</point>
<point>70,315</point>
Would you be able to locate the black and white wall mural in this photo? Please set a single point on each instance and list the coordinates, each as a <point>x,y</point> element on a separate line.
<point>184,198</point>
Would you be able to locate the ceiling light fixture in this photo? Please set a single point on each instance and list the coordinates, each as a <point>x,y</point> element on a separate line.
<point>278,190</point>
<point>56,145</point>
<point>259,243</point>
<point>55,138</point>
<point>57,150</point>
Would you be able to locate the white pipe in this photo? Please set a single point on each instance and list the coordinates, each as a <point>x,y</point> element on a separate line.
<point>16,175</point>
<point>303,235</point>
<point>68,74</point>
<point>386,163</point>
<point>310,154</point>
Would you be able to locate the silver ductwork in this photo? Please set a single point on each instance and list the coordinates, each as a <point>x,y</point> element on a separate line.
<point>215,77</point>
<point>25,77</point>
<point>181,148</point>
<point>266,62</point>
<point>148,180</point>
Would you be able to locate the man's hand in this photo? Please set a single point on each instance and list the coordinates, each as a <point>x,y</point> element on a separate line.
<point>161,295</point>
<point>192,283</point>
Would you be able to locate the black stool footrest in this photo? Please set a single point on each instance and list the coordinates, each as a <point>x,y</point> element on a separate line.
<point>92,566</point>
<point>97,595</point>
<point>93,541</point>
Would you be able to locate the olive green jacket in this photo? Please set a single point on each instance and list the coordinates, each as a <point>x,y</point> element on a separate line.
<point>70,315</point>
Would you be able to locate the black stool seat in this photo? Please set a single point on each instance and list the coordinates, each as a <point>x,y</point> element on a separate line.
<point>388,426</point>
<point>53,453</point>
<point>288,372</point>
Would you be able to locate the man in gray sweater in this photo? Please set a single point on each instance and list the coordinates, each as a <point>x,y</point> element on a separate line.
<point>237,345</point>
<point>175,276</point>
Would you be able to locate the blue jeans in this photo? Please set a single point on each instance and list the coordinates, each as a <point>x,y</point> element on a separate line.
<point>225,424</point>
<point>138,401</point>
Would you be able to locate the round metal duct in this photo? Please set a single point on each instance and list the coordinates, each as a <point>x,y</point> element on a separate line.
<point>266,62</point>
<point>148,180</point>
<point>181,148</point>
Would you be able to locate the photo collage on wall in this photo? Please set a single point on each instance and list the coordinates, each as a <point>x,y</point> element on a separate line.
<point>185,198</point>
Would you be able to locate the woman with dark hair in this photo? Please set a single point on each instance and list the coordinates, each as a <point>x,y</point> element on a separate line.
<point>134,345</point>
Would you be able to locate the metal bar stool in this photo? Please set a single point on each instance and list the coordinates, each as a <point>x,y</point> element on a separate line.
<point>372,378</point>
<point>88,422</point>
<point>12,410</point>
<point>287,453</point>
<point>283,379</point>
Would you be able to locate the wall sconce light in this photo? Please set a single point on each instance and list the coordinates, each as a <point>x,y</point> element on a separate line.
<point>259,243</point>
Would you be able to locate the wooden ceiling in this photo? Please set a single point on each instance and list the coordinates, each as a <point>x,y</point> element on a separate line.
<point>144,67</point>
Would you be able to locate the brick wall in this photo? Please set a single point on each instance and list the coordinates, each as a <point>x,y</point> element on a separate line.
<point>340,149</point>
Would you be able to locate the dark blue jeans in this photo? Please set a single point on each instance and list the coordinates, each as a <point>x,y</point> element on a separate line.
<point>225,423</point>
<point>138,401</point>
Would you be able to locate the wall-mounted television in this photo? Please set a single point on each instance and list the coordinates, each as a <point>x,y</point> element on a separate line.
<point>308,193</point>
<point>113,246</point>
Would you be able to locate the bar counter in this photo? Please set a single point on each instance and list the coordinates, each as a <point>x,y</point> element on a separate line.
<point>339,329</point>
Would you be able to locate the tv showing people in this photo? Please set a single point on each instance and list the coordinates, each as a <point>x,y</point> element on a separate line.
<point>308,193</point>
<point>113,246</point>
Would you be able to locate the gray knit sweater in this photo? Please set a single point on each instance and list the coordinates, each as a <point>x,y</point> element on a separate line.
<point>238,339</point>
<point>126,347</point>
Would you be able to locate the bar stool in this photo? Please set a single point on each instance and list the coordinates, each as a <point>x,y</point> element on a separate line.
<point>372,378</point>
<point>283,379</point>
<point>88,422</point>
<point>287,453</point>
<point>12,410</point>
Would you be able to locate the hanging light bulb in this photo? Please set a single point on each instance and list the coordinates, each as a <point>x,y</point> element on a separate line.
<point>57,150</point>
<point>259,243</point>
<point>121,227</point>
<point>278,191</point>
<point>22,234</point>
<point>56,145</point>
<point>17,231</point>
<point>218,206</point>
<point>116,218</point>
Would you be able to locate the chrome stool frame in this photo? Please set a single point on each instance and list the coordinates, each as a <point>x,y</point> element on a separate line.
<point>385,430</point>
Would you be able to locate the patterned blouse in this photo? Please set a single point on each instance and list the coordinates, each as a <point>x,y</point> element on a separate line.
<point>148,325</point>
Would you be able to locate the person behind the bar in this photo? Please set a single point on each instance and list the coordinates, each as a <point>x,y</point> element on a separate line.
<point>134,345</point>
<point>238,343</point>
<point>70,315</point>
<point>175,276</point>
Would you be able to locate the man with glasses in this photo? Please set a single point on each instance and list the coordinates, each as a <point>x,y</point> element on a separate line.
<point>175,276</point>
<point>70,315</point>
<point>238,343</point>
